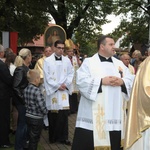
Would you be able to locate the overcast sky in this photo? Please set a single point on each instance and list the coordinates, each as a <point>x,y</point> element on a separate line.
<point>109,27</point>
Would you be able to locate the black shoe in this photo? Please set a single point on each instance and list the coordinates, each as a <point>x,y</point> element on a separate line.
<point>26,145</point>
<point>6,146</point>
<point>10,130</point>
<point>52,141</point>
<point>13,132</point>
<point>66,142</point>
<point>73,112</point>
<point>45,127</point>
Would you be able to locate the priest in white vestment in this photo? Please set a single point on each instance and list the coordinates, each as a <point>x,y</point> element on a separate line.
<point>137,135</point>
<point>58,75</point>
<point>104,82</point>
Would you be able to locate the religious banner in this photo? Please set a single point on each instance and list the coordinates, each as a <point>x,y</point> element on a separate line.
<point>54,33</point>
<point>13,41</point>
<point>5,39</point>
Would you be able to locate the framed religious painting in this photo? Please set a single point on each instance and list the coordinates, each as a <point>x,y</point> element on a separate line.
<point>54,33</point>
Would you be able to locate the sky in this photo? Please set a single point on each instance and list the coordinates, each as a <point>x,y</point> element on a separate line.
<point>109,27</point>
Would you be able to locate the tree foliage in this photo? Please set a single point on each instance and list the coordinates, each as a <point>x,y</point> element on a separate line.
<point>17,15</point>
<point>135,21</point>
<point>29,17</point>
<point>81,19</point>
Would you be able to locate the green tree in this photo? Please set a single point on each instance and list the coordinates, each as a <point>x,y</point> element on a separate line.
<point>85,15</point>
<point>135,21</point>
<point>29,17</point>
<point>82,18</point>
<point>17,15</point>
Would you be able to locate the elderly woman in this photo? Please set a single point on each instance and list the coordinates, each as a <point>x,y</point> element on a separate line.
<point>20,82</point>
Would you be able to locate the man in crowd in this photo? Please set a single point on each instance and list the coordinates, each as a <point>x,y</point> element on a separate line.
<point>103,81</point>
<point>5,95</point>
<point>73,99</point>
<point>125,58</point>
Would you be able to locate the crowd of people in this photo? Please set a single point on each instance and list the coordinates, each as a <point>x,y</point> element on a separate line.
<point>48,93</point>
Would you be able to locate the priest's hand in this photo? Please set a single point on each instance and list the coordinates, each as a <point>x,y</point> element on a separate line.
<point>112,81</point>
<point>116,81</point>
<point>62,87</point>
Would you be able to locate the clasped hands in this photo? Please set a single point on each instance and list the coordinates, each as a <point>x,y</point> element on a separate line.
<point>62,87</point>
<point>112,81</point>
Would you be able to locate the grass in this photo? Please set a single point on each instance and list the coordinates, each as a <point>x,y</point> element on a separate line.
<point>12,140</point>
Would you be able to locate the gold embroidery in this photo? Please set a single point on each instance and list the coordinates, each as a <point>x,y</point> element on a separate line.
<point>64,97</point>
<point>54,111</point>
<point>75,63</point>
<point>54,100</point>
<point>100,123</point>
<point>102,148</point>
<point>66,108</point>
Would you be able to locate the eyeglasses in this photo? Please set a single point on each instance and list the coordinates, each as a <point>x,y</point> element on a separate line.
<point>60,48</point>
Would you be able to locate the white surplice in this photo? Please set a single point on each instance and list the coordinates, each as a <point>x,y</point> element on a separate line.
<point>103,109</point>
<point>55,74</point>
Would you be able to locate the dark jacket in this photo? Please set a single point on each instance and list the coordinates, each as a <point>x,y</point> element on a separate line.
<point>5,80</point>
<point>20,82</point>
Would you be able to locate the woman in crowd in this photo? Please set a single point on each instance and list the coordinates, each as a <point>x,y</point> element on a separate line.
<point>20,82</point>
<point>10,58</point>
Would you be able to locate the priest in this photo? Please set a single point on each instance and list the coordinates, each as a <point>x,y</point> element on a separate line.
<point>104,82</point>
<point>58,75</point>
<point>138,124</point>
<point>39,64</point>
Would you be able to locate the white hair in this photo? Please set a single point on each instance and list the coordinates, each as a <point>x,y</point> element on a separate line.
<point>2,48</point>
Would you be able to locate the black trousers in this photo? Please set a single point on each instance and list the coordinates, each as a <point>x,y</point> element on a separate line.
<point>73,102</point>
<point>34,130</point>
<point>4,120</point>
<point>83,140</point>
<point>58,125</point>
